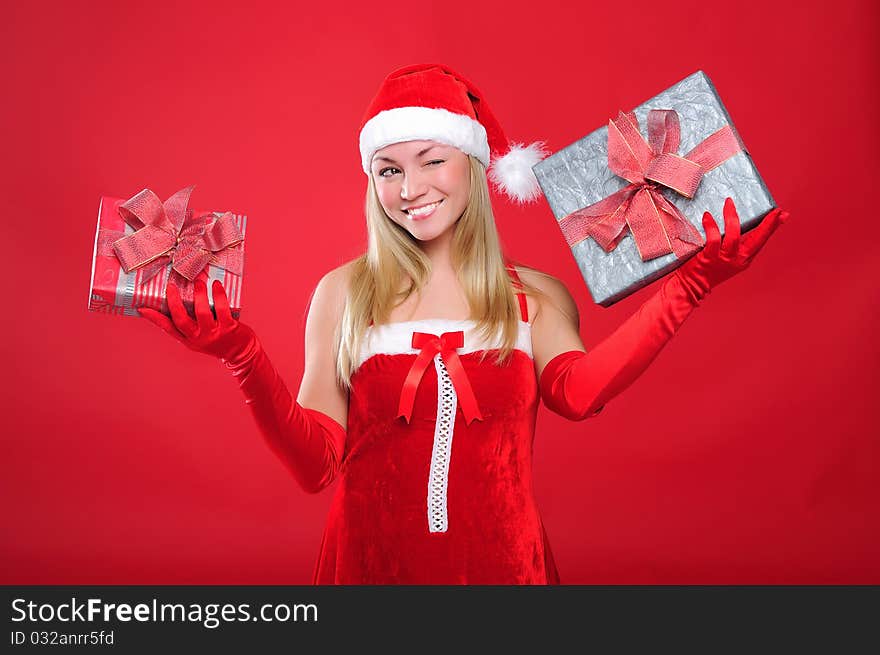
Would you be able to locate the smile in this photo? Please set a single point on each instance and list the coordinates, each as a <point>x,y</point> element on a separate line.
<point>424,211</point>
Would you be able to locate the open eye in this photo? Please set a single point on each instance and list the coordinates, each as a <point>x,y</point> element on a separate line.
<point>389,168</point>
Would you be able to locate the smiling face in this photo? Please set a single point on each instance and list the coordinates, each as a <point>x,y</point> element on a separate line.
<point>423,186</point>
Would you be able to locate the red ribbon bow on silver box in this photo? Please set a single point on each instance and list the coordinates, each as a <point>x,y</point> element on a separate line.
<point>658,226</point>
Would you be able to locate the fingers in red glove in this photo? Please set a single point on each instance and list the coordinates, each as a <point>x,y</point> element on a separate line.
<point>755,240</point>
<point>181,325</point>
<point>713,236</point>
<point>179,316</point>
<point>221,305</point>
<point>730,245</point>
<point>204,315</point>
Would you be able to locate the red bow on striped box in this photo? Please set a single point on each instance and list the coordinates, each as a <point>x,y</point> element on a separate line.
<point>164,242</point>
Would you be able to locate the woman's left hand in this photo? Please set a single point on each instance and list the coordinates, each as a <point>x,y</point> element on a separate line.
<point>720,260</point>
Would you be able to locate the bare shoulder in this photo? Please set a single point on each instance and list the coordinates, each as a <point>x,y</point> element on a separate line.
<point>328,297</point>
<point>337,279</point>
<point>554,297</point>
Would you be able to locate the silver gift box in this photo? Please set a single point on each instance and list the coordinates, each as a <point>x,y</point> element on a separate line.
<point>578,176</point>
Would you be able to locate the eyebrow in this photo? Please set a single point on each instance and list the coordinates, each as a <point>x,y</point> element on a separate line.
<point>421,152</point>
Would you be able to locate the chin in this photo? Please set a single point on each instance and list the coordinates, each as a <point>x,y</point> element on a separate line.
<point>424,237</point>
<point>430,236</point>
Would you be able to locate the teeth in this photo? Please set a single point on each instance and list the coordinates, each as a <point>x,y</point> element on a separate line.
<point>423,210</point>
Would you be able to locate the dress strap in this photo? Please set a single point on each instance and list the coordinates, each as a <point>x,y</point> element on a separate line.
<point>523,306</point>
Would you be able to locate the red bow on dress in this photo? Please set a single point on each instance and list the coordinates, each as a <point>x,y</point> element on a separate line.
<point>430,345</point>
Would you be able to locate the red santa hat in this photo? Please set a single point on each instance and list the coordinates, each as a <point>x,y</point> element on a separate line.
<point>433,102</point>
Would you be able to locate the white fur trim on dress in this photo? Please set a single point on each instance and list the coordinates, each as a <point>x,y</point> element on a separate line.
<point>396,338</point>
<point>418,123</point>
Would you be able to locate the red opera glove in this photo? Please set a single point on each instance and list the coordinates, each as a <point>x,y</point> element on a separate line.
<point>577,385</point>
<point>719,261</point>
<point>309,442</point>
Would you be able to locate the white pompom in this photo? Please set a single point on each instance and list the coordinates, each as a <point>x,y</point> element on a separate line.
<point>513,174</point>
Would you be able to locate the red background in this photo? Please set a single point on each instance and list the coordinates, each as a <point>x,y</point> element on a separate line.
<point>747,453</point>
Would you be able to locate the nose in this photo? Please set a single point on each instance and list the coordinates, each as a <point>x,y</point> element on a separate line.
<point>413,186</point>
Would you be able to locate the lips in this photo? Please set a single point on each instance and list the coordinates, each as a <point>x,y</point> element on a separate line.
<point>416,213</point>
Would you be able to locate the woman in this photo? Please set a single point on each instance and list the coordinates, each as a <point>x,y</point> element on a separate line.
<point>434,291</point>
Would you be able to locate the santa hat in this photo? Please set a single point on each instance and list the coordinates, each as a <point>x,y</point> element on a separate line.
<point>433,102</point>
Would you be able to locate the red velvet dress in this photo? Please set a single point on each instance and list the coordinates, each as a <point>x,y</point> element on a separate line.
<point>447,497</point>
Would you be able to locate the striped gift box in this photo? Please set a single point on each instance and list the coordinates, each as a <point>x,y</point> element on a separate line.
<point>114,291</point>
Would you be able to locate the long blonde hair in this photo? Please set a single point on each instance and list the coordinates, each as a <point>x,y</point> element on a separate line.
<point>393,256</point>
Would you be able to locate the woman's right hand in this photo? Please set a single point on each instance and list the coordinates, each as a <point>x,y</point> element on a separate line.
<point>224,337</point>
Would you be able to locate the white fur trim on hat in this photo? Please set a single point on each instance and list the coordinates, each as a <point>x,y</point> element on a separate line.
<point>417,123</point>
<point>513,173</point>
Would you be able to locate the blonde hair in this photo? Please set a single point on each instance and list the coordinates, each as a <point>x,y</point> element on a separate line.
<point>393,256</point>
